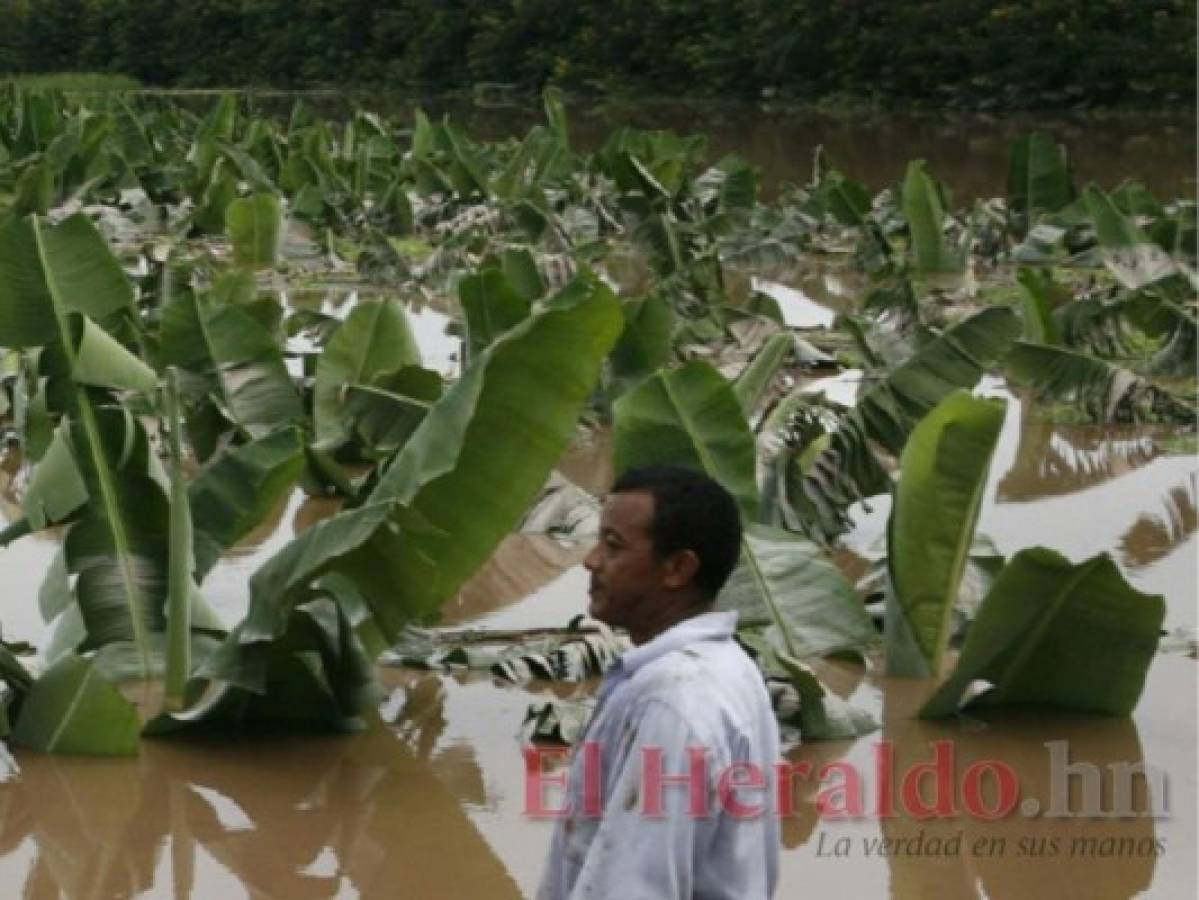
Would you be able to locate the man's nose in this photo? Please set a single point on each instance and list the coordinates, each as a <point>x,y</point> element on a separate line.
<point>591,560</point>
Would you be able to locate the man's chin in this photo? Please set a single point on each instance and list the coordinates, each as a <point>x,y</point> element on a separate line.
<point>598,609</point>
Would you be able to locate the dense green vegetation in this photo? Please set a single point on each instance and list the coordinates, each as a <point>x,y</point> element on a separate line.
<point>1043,53</point>
<point>164,392</point>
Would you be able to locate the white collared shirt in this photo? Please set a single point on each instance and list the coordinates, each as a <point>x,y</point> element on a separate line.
<point>692,686</point>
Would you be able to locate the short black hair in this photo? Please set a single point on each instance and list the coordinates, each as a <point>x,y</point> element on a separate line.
<point>691,512</point>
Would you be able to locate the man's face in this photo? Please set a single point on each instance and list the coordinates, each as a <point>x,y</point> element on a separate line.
<point>625,576</point>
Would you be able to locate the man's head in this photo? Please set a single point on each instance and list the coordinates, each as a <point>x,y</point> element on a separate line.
<point>669,538</point>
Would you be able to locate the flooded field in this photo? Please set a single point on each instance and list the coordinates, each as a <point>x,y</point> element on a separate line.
<point>434,797</point>
<point>430,801</point>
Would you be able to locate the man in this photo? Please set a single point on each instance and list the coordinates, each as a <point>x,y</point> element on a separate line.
<point>676,714</point>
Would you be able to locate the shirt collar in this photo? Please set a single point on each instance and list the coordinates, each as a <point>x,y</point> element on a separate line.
<point>707,626</point>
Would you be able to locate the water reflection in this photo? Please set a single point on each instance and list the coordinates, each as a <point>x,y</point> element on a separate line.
<point>1153,536</point>
<point>1020,855</point>
<point>318,817</point>
<point>1052,459</point>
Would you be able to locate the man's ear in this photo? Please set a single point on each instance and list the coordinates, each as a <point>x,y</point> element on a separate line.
<point>681,569</point>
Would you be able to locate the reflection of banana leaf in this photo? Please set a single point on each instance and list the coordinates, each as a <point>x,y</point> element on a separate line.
<point>1153,537</point>
<point>323,817</point>
<point>1021,861</point>
<point>1054,460</point>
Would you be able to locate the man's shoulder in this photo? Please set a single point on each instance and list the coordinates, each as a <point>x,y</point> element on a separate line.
<point>708,684</point>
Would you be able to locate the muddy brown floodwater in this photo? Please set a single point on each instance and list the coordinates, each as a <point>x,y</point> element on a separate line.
<point>968,151</point>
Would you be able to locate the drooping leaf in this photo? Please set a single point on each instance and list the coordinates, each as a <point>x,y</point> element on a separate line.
<point>789,582</point>
<point>688,416</point>
<point>751,385</point>
<point>234,494</point>
<point>235,361</point>
<point>375,339</point>
<point>1104,391</point>
<point>822,715</point>
<point>846,469</point>
<point>384,415</point>
<point>71,709</point>
<point>48,272</point>
<point>943,473</point>
<point>57,488</point>
<point>118,547</point>
<point>1051,632</point>
<point>1130,255</point>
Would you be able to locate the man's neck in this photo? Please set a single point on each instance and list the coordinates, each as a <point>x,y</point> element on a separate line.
<point>672,614</point>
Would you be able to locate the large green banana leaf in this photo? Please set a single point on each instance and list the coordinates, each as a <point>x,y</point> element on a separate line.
<point>48,272</point>
<point>943,472</point>
<point>688,416</point>
<point>1038,180</point>
<point>1073,636</point>
<point>73,709</point>
<point>233,359</point>
<point>255,226</point>
<point>62,274</point>
<point>645,343</point>
<point>492,305</point>
<point>924,204</point>
<point>236,492</point>
<point>789,582</point>
<point>375,339</point>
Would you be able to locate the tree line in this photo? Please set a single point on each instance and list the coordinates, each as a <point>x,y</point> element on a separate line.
<point>976,52</point>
